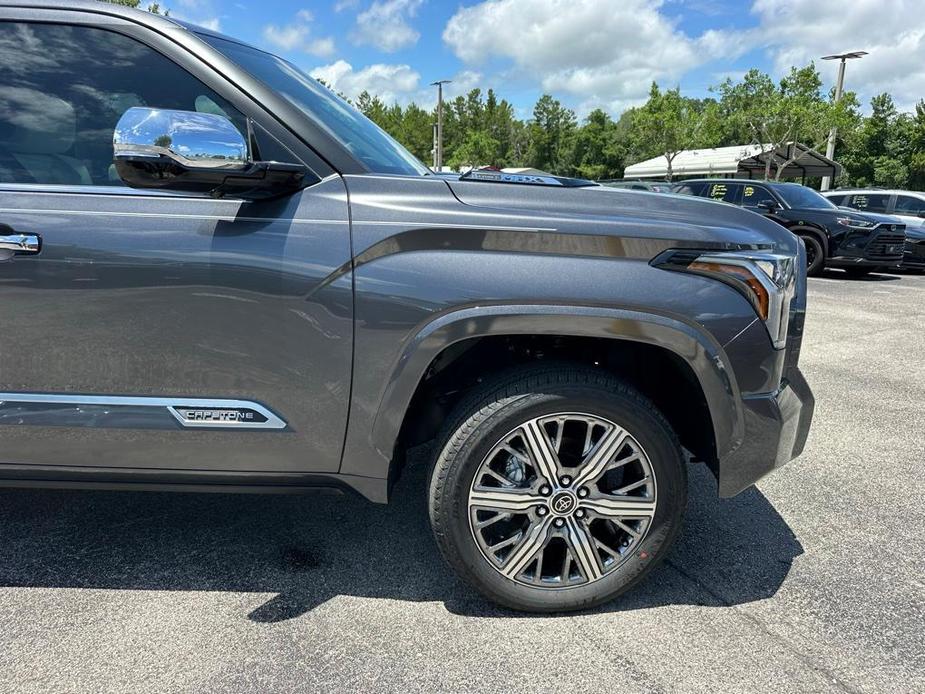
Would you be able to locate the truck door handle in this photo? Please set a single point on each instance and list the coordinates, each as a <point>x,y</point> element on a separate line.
<point>26,244</point>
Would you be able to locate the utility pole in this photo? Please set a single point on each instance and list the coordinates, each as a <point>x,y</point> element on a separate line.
<point>438,146</point>
<point>839,85</point>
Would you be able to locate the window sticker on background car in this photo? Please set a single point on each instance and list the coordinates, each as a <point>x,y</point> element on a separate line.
<point>749,191</point>
<point>718,191</point>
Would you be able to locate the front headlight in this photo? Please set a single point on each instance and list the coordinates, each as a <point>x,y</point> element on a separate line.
<point>853,223</point>
<point>767,280</point>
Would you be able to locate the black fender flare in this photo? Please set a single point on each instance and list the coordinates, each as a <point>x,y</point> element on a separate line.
<point>370,453</point>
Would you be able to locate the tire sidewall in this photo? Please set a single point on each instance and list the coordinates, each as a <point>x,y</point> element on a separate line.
<point>819,263</point>
<point>466,449</point>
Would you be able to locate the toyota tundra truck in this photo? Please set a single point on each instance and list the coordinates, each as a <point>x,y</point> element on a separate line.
<point>217,275</point>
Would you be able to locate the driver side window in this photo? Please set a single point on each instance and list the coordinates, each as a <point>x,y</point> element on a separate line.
<point>908,205</point>
<point>869,202</point>
<point>752,196</point>
<point>63,89</point>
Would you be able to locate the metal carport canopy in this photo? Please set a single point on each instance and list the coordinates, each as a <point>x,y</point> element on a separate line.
<point>745,161</point>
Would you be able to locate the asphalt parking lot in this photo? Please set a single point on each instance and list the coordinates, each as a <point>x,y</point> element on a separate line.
<point>812,582</point>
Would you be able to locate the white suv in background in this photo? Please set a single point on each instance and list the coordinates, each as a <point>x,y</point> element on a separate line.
<point>908,205</point>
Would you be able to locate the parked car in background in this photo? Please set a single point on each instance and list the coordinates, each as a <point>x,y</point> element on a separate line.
<point>858,242</point>
<point>907,205</point>
<point>651,186</point>
<point>914,256</point>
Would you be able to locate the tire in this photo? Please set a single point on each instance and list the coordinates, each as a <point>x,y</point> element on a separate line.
<point>514,405</point>
<point>857,272</point>
<point>815,255</point>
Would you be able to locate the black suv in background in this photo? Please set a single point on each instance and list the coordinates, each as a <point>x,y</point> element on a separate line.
<point>835,237</point>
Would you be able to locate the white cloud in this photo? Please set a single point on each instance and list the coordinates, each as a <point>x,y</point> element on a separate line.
<point>323,48</point>
<point>286,37</point>
<point>892,31</point>
<point>201,12</point>
<point>212,23</point>
<point>608,53</point>
<point>342,5</point>
<point>391,83</point>
<point>385,25</point>
<point>462,82</point>
<point>297,35</point>
<point>728,44</point>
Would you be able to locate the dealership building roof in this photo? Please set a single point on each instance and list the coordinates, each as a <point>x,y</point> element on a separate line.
<point>744,161</point>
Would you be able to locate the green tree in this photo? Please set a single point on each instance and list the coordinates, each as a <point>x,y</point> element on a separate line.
<point>501,126</point>
<point>669,123</point>
<point>373,108</point>
<point>550,135</point>
<point>916,139</point>
<point>154,8</point>
<point>598,151</point>
<point>416,132</point>
<point>771,115</point>
<point>478,149</point>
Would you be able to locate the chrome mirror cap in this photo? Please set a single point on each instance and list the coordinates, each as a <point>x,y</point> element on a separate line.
<point>194,140</point>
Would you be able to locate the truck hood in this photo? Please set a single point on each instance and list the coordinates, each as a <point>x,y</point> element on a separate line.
<point>630,213</point>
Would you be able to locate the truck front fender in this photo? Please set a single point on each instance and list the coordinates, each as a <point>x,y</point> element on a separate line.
<point>376,419</point>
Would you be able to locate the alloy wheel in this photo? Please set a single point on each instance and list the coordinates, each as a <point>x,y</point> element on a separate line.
<point>562,500</point>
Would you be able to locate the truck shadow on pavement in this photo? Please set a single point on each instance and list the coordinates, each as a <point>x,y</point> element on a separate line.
<point>306,550</point>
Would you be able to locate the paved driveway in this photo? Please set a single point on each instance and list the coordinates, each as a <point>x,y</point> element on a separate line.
<point>812,582</point>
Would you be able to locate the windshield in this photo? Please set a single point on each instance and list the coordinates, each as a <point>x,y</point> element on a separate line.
<point>366,140</point>
<point>803,198</point>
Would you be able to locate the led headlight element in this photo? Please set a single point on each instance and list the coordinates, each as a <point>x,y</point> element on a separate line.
<point>853,223</point>
<point>767,280</point>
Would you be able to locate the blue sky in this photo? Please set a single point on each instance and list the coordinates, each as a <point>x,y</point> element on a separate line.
<point>588,53</point>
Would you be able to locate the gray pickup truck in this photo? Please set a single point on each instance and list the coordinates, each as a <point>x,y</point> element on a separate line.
<point>216,275</point>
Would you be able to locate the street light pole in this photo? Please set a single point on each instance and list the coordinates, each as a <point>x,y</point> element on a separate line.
<point>839,86</point>
<point>438,147</point>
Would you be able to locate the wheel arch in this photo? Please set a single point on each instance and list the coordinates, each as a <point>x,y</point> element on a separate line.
<point>816,231</point>
<point>455,332</point>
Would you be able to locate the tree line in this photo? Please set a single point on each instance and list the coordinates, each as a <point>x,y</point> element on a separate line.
<point>885,148</point>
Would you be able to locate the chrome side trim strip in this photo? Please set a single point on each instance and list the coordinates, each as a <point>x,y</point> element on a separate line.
<point>191,413</point>
<point>230,217</point>
<point>295,220</point>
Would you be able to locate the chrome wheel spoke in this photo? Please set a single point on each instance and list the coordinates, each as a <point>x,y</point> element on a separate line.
<point>600,459</point>
<point>606,548</point>
<point>499,478</point>
<point>566,568</point>
<point>620,507</point>
<point>499,516</point>
<point>635,485</point>
<point>514,453</point>
<point>539,528</point>
<point>582,549</point>
<point>560,431</point>
<point>532,543</point>
<point>510,500</point>
<point>545,458</point>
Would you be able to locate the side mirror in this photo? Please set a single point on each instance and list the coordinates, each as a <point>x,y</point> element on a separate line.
<point>197,153</point>
<point>768,206</point>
